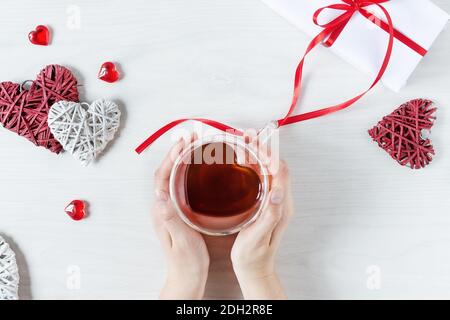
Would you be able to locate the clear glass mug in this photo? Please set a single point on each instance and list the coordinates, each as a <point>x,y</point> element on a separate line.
<point>245,156</point>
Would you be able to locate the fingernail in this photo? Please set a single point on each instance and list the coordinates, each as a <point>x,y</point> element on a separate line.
<point>276,196</point>
<point>161,195</point>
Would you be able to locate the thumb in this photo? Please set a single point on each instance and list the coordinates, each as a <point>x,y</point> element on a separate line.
<point>274,210</point>
<point>271,215</point>
<point>276,196</point>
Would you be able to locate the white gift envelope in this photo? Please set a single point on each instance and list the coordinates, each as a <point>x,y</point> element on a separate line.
<point>362,43</point>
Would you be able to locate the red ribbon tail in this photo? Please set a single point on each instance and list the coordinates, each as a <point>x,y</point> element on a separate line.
<point>212,123</point>
<point>144,145</point>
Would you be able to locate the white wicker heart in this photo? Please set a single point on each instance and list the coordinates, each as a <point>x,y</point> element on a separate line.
<point>84,130</point>
<point>9,273</point>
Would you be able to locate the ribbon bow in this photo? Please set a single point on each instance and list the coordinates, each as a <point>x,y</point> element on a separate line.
<point>350,7</point>
<point>328,36</point>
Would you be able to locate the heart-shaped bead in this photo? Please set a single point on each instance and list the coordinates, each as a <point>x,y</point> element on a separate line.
<point>84,130</point>
<point>108,72</point>
<point>401,134</point>
<point>76,210</point>
<point>221,189</point>
<point>25,111</point>
<point>40,36</point>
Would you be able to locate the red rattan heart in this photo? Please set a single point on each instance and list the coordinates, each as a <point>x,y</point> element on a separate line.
<point>25,111</point>
<point>401,133</point>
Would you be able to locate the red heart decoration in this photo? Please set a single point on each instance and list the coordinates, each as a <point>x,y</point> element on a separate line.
<point>25,111</point>
<point>76,210</point>
<point>40,36</point>
<point>401,134</point>
<point>108,72</point>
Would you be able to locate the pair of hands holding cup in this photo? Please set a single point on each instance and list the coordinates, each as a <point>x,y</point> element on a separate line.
<point>252,254</point>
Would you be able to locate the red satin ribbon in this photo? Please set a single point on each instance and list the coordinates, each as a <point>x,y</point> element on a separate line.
<point>329,34</point>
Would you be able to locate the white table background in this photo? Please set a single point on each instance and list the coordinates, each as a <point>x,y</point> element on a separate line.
<point>359,216</point>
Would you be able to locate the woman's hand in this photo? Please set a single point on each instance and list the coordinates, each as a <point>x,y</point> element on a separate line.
<point>253,252</point>
<point>185,249</point>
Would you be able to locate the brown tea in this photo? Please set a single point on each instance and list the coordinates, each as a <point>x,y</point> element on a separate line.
<point>221,187</point>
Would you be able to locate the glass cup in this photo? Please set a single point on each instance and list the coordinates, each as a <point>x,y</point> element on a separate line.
<point>217,225</point>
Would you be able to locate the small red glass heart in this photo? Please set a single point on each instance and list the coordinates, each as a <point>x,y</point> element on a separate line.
<point>108,72</point>
<point>76,210</point>
<point>40,36</point>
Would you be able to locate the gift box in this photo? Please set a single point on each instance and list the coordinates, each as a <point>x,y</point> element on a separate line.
<point>363,41</point>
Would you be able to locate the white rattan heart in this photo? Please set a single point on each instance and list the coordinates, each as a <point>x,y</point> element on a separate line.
<point>84,130</point>
<point>9,274</point>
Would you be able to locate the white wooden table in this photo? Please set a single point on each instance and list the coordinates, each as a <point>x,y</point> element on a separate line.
<point>364,227</point>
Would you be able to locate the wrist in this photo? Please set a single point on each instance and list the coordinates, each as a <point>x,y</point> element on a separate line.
<point>261,286</point>
<point>184,286</point>
<point>254,269</point>
<point>253,274</point>
<point>259,282</point>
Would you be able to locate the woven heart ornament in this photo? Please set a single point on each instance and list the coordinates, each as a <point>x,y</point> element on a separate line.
<point>84,130</point>
<point>9,273</point>
<point>403,133</point>
<point>25,111</point>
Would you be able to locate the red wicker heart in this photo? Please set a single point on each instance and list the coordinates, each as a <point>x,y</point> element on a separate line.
<point>401,134</point>
<point>25,111</point>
